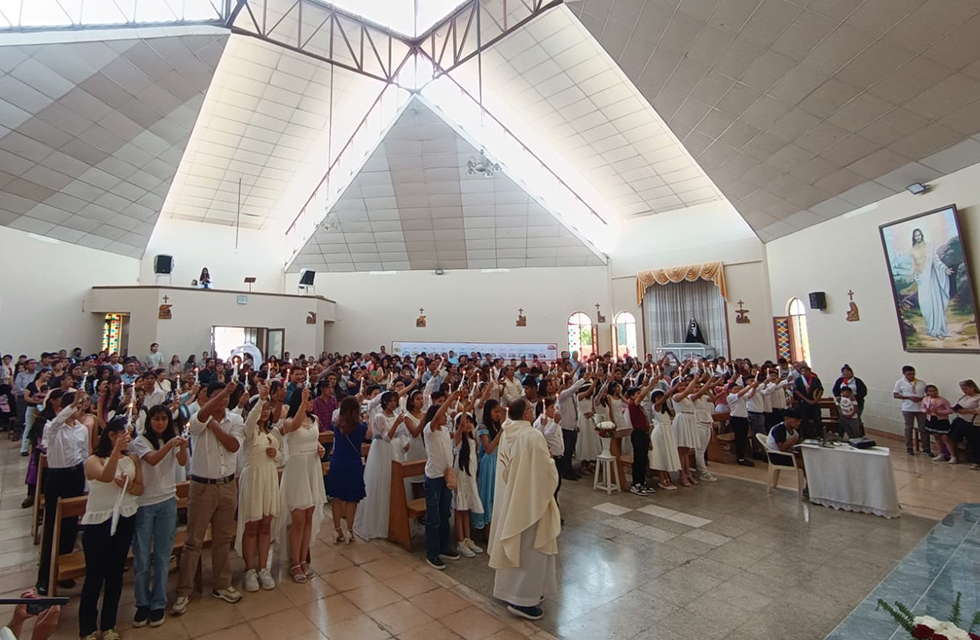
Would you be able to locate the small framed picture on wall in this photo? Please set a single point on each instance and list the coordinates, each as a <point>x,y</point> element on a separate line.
<point>931,282</point>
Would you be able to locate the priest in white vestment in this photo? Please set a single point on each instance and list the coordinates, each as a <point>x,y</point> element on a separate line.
<point>526,521</point>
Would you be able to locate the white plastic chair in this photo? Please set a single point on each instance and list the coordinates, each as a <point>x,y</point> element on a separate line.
<point>774,469</point>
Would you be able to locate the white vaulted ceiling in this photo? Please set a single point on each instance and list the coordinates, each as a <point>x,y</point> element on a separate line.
<point>414,206</point>
<point>91,134</point>
<point>563,96</point>
<point>267,121</point>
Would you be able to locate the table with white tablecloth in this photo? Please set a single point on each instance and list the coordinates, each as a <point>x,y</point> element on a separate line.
<point>852,479</point>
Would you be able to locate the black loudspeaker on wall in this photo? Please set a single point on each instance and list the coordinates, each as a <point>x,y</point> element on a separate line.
<point>818,300</point>
<point>306,277</point>
<point>163,265</point>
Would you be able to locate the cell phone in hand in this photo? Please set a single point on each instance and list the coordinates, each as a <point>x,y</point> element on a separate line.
<point>36,609</point>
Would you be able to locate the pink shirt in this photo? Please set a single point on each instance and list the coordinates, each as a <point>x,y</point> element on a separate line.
<point>938,407</point>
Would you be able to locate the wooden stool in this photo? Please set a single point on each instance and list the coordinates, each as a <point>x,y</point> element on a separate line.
<point>605,474</point>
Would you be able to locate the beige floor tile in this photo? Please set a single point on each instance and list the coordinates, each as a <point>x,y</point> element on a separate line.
<point>385,568</point>
<point>202,621</point>
<point>401,616</point>
<point>261,603</point>
<point>434,630</point>
<point>411,584</point>
<point>473,623</point>
<point>372,597</point>
<point>439,602</point>
<point>348,579</point>
<point>360,627</point>
<point>238,632</point>
<point>311,590</point>
<point>284,624</point>
<point>329,611</point>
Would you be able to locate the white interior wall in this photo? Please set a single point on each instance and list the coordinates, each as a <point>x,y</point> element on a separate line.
<point>846,254</point>
<point>194,245</point>
<point>706,233</point>
<point>42,290</point>
<point>465,305</point>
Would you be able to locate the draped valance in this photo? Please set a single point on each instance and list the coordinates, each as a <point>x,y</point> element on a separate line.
<point>713,271</point>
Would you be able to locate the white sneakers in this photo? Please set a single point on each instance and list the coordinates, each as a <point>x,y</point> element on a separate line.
<point>180,606</point>
<point>265,579</point>
<point>250,581</point>
<point>468,548</point>
<point>230,594</point>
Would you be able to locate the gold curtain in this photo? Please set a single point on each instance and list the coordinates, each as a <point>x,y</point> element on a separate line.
<point>713,271</point>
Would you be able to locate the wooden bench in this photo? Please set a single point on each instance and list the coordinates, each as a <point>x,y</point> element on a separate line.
<point>721,449</point>
<point>37,512</point>
<point>401,510</point>
<point>70,566</point>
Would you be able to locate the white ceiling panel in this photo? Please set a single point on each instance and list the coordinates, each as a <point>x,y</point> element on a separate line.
<point>442,217</point>
<point>90,138</point>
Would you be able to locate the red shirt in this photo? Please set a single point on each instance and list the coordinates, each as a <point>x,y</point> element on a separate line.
<point>638,417</point>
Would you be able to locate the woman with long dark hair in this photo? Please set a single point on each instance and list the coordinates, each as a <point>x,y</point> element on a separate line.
<point>371,520</point>
<point>466,496</point>
<point>115,480</point>
<point>161,450</point>
<point>346,476</point>
<point>488,435</point>
<point>302,493</point>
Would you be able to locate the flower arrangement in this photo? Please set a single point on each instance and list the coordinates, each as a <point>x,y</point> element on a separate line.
<point>929,628</point>
<point>606,429</point>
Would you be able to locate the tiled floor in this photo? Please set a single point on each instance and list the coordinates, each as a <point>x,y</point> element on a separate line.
<point>711,562</point>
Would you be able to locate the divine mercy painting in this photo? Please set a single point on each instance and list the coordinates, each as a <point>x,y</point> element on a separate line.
<point>931,283</point>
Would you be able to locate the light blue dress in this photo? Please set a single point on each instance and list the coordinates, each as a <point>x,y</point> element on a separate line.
<point>486,477</point>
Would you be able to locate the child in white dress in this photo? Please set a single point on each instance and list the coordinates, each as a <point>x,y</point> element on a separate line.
<point>663,456</point>
<point>371,519</point>
<point>466,497</point>
<point>258,493</point>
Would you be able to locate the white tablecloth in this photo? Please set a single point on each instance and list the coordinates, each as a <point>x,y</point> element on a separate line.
<point>852,479</point>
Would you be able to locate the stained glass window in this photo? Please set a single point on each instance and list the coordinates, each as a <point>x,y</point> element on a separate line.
<point>624,334</point>
<point>797,313</point>
<point>580,337</point>
<point>111,332</point>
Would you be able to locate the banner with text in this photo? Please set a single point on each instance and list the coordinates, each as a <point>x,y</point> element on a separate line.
<point>506,350</point>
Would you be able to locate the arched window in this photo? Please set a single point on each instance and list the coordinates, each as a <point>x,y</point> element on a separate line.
<point>624,334</point>
<point>801,342</point>
<point>580,335</point>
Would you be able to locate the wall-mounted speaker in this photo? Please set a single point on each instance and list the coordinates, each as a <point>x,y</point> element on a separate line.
<point>818,300</point>
<point>163,265</point>
<point>306,277</point>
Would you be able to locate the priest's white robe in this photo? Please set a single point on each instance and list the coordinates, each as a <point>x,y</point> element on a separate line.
<point>524,535</point>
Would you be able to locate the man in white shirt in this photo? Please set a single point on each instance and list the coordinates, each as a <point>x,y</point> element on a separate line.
<point>154,359</point>
<point>569,410</point>
<point>511,386</point>
<point>216,436</point>
<point>910,390</point>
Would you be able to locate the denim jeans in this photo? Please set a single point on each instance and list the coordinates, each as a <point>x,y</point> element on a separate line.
<point>155,527</point>
<point>438,499</point>
<point>25,442</point>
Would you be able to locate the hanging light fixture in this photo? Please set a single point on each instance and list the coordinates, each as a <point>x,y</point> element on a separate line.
<point>483,166</point>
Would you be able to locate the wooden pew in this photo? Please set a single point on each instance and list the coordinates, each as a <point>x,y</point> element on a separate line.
<point>37,512</point>
<point>722,446</point>
<point>401,510</point>
<point>68,566</point>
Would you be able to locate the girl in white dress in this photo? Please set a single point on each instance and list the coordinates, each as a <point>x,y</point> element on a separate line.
<point>616,404</point>
<point>409,445</point>
<point>371,520</point>
<point>258,493</point>
<point>664,456</point>
<point>703,409</point>
<point>685,426</point>
<point>589,446</point>
<point>466,497</point>
<point>302,494</point>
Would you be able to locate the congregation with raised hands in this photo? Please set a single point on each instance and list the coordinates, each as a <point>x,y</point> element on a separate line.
<point>266,449</point>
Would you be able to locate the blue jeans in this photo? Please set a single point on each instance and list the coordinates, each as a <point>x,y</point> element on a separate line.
<point>438,499</point>
<point>155,526</point>
<point>25,441</point>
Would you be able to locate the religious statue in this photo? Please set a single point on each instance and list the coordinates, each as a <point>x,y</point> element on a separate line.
<point>311,317</point>
<point>741,315</point>
<point>694,333</point>
<point>853,315</point>
<point>521,318</point>
<point>420,321</point>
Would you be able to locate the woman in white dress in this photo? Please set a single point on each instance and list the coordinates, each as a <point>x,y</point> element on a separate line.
<point>616,404</point>
<point>703,409</point>
<point>302,494</point>
<point>466,496</point>
<point>371,520</point>
<point>664,457</point>
<point>685,426</point>
<point>589,446</point>
<point>258,493</point>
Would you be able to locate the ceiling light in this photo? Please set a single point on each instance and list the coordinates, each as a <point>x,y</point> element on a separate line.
<point>917,188</point>
<point>482,166</point>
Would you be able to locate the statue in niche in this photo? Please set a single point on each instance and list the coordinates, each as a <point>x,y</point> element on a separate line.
<point>694,333</point>
<point>420,321</point>
<point>521,318</point>
<point>853,314</point>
